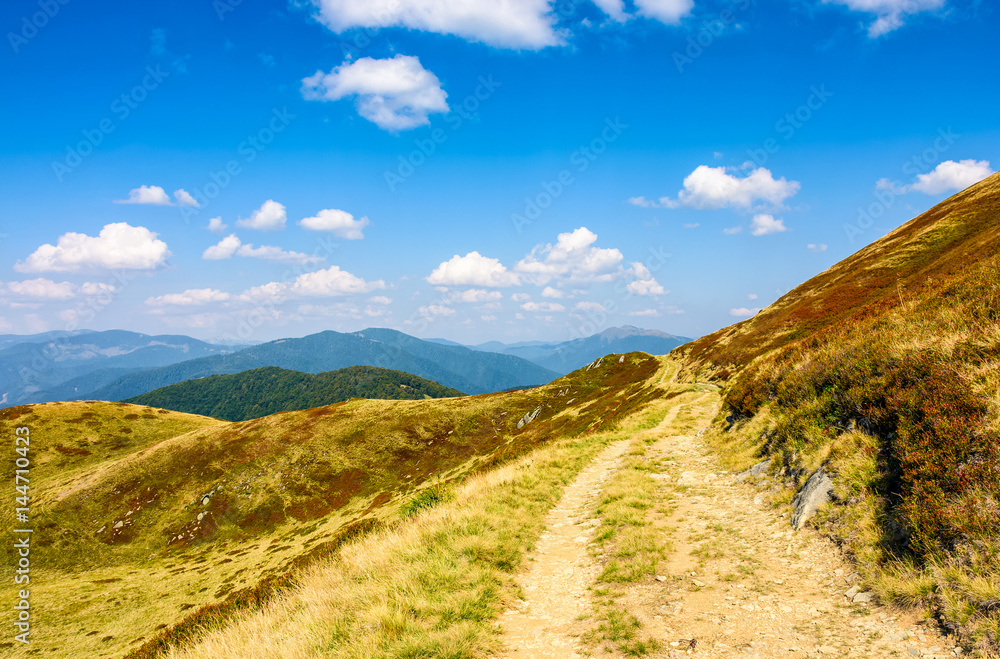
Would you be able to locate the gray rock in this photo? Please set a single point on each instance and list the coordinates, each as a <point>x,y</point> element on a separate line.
<point>862,598</point>
<point>854,590</point>
<point>118,525</point>
<point>529,417</point>
<point>759,470</point>
<point>817,491</point>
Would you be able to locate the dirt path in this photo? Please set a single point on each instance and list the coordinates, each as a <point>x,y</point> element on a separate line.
<point>555,586</point>
<point>739,582</point>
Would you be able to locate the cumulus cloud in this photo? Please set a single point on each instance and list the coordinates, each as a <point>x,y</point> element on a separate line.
<point>216,225</point>
<point>118,246</point>
<point>816,248</point>
<point>589,306</point>
<point>476,295</point>
<point>331,282</point>
<point>146,194</point>
<point>951,176</point>
<point>380,299</point>
<point>752,296</point>
<point>552,293</point>
<point>41,289</point>
<point>340,223</point>
<point>185,199</point>
<point>190,298</point>
<point>547,307</point>
<point>231,246</point>
<point>156,196</point>
<point>435,311</point>
<point>732,231</point>
<point>224,249</point>
<point>644,282</point>
<point>645,313</point>
<point>889,14</point>
<point>270,216</point>
<point>712,188</point>
<point>473,269</point>
<point>395,94</point>
<point>743,312</point>
<point>527,24</point>
<point>763,225</point>
<point>571,258</point>
<point>666,11</point>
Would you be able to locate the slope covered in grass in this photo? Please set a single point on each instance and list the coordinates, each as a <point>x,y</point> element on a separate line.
<point>884,371</point>
<point>269,390</point>
<point>194,522</point>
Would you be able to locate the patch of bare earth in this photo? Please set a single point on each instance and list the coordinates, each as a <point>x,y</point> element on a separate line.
<point>739,582</point>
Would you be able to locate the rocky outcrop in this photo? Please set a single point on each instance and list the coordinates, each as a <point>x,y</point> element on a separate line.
<point>817,491</point>
<point>755,472</point>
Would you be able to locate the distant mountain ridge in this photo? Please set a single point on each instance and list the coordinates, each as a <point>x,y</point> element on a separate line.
<point>570,355</point>
<point>269,390</point>
<point>37,368</point>
<point>457,367</point>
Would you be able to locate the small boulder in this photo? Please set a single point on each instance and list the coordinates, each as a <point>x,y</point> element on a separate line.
<point>862,598</point>
<point>529,417</point>
<point>817,491</point>
<point>759,470</point>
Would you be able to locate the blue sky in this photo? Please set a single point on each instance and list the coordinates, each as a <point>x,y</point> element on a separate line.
<point>474,171</point>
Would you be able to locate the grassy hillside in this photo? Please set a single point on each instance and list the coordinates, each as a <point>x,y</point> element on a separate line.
<point>884,370</point>
<point>196,518</point>
<point>263,391</point>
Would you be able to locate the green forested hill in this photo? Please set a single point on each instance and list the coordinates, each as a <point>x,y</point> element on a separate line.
<point>263,391</point>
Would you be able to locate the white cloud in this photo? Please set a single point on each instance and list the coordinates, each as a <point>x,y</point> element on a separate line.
<point>380,299</point>
<point>331,282</point>
<point>473,269</point>
<point>645,313</point>
<point>711,188</point>
<point>272,253</point>
<point>692,225</point>
<point>146,194</point>
<point>156,196</point>
<point>488,318</point>
<point>613,8</point>
<point>589,306</point>
<point>666,11</point>
<point>96,288</point>
<point>510,24</point>
<point>216,225</point>
<point>816,248</point>
<point>951,176</point>
<point>118,246</point>
<point>395,94</point>
<point>743,312</point>
<point>270,216</point>
<point>644,282</point>
<point>889,14</point>
<point>190,298</point>
<point>338,222</point>
<point>763,225</point>
<point>543,306</point>
<point>732,231</point>
<point>552,293</point>
<point>5,325</point>
<point>571,258</point>
<point>474,295</point>
<point>185,199</point>
<point>42,289</point>
<point>751,296</point>
<point>520,297</point>
<point>435,311</point>
<point>224,249</point>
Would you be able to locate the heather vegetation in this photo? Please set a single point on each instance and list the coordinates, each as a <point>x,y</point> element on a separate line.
<point>898,399</point>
